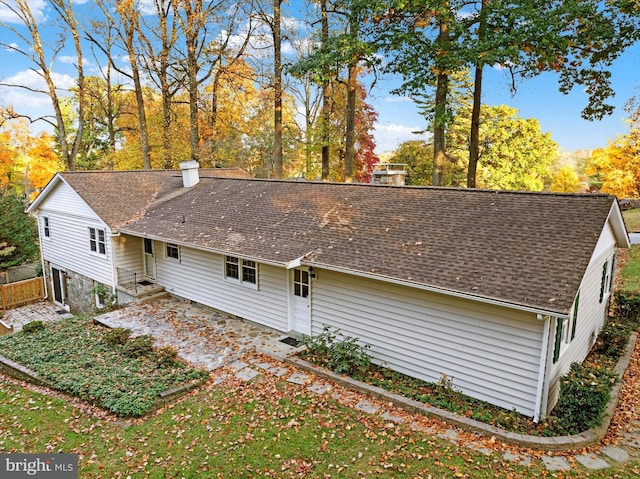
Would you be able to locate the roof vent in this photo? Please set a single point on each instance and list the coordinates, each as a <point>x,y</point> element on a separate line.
<point>190,175</point>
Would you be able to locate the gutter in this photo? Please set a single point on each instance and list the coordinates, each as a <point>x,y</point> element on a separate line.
<point>457,294</point>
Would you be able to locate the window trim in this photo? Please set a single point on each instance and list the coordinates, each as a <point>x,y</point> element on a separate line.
<point>244,271</point>
<point>97,241</point>
<point>172,246</point>
<point>46,227</point>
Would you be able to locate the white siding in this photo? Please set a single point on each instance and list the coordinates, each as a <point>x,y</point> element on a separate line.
<point>591,314</point>
<point>491,353</point>
<point>128,251</point>
<point>199,276</point>
<point>68,245</point>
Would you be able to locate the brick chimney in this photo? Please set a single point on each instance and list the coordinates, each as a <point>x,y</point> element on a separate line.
<point>190,175</point>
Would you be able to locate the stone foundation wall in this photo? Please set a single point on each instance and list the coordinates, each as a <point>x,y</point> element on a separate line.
<point>78,294</point>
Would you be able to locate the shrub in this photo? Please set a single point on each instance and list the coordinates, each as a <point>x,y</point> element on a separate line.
<point>107,299</point>
<point>117,336</point>
<point>166,356</point>
<point>612,340</point>
<point>33,326</point>
<point>584,393</point>
<point>339,353</point>
<point>138,346</point>
<point>627,306</point>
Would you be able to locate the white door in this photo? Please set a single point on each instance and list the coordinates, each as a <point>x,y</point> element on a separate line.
<point>300,302</point>
<point>149,260</point>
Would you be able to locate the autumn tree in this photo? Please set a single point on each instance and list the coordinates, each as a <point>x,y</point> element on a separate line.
<point>617,166</point>
<point>42,56</point>
<point>418,156</point>
<point>565,180</point>
<point>516,154</point>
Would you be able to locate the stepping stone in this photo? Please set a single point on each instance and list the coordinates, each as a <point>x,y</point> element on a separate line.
<point>482,450</point>
<point>556,463</point>
<point>319,388</point>
<point>449,435</point>
<point>298,378</point>
<point>615,453</point>
<point>238,365</point>
<point>265,366</point>
<point>247,374</point>
<point>631,440</point>
<point>278,372</point>
<point>390,417</point>
<point>219,380</point>
<point>517,458</point>
<point>591,461</point>
<point>366,406</point>
<point>416,426</point>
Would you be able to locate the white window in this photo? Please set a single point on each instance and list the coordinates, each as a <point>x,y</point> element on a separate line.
<point>240,270</point>
<point>173,251</point>
<point>46,230</point>
<point>97,241</point>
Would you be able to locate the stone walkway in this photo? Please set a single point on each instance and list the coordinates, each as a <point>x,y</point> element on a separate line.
<point>210,339</point>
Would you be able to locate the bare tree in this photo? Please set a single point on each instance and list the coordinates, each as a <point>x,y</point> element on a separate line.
<point>68,147</point>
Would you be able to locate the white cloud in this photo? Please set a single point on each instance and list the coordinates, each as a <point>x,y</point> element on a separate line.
<point>389,136</point>
<point>37,7</point>
<point>11,47</point>
<point>398,99</point>
<point>34,80</point>
<point>73,60</point>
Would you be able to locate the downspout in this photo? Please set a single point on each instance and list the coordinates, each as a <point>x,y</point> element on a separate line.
<point>542,369</point>
<point>114,264</point>
<point>44,271</point>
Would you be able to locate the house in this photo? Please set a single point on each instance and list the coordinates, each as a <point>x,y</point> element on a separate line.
<point>499,291</point>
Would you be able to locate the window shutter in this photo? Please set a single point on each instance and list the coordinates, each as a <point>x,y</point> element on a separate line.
<point>603,281</point>
<point>613,268</point>
<point>575,316</point>
<point>556,349</point>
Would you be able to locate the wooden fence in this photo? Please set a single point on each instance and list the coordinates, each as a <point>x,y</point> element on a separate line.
<point>17,294</point>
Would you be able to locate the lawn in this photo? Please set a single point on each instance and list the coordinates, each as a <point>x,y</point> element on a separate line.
<point>630,274</point>
<point>632,219</point>
<point>268,428</point>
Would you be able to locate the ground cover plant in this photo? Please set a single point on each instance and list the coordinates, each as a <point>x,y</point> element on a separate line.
<point>80,358</point>
<point>584,390</point>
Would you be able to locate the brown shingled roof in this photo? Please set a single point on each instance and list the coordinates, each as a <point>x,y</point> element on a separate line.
<point>526,249</point>
<point>121,196</point>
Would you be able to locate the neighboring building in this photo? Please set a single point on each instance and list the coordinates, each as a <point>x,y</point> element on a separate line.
<point>499,291</point>
<point>389,174</point>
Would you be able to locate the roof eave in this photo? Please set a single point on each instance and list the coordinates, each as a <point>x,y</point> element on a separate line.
<point>445,291</point>
<point>617,223</point>
<point>45,192</point>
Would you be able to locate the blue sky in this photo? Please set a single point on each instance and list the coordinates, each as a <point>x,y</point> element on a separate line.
<point>398,117</point>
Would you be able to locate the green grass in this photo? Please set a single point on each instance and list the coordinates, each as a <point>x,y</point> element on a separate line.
<point>264,429</point>
<point>631,271</point>
<point>74,358</point>
<point>632,219</point>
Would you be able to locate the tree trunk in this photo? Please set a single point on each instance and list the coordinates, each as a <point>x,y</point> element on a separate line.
<point>350,137</point>
<point>474,144</point>
<point>326,99</point>
<point>439,124</point>
<point>277,85</point>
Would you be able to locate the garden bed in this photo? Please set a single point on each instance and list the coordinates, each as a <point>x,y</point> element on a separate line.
<point>126,377</point>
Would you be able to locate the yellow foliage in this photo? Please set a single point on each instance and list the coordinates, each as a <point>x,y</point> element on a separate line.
<point>565,181</point>
<point>618,166</point>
